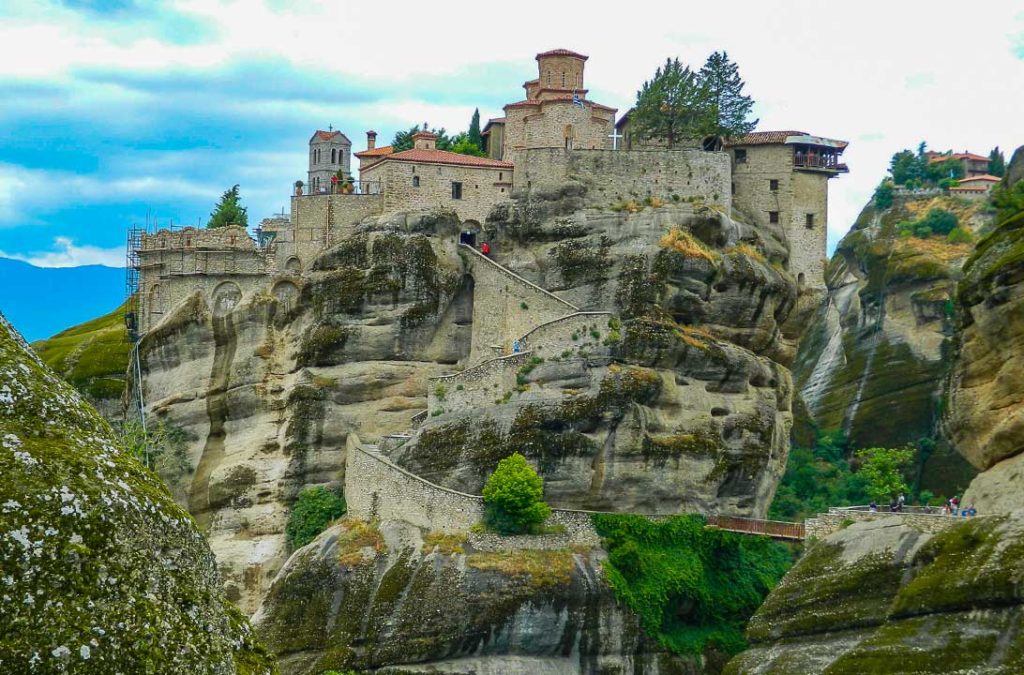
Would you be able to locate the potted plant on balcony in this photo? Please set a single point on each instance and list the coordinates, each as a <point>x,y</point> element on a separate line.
<point>298,188</point>
<point>347,185</point>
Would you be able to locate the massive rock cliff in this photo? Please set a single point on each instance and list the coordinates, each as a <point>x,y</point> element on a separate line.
<point>677,398</point>
<point>100,571</point>
<point>885,597</point>
<point>874,361</point>
<point>385,598</point>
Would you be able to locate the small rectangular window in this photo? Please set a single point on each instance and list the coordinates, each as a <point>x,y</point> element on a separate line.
<point>810,220</point>
<point>773,216</point>
<point>456,190</point>
<point>741,156</point>
<point>415,181</point>
<point>773,184</point>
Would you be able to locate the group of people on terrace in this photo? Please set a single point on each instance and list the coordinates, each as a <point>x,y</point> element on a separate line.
<point>950,508</point>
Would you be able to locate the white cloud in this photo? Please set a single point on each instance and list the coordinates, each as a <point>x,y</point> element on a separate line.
<point>66,254</point>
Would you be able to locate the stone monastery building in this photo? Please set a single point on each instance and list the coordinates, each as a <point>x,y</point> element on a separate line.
<point>552,137</point>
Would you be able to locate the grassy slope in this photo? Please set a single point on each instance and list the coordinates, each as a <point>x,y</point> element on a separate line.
<point>92,356</point>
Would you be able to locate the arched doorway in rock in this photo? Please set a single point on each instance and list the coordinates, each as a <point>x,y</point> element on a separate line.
<point>469,233</point>
<point>287,294</point>
<point>293,265</point>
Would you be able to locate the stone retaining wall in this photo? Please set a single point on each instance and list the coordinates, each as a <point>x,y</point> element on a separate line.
<point>480,385</point>
<point>553,337</point>
<point>836,519</point>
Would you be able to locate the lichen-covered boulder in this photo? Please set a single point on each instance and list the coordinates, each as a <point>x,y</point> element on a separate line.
<point>100,571</point>
<point>885,596</point>
<point>386,598</point>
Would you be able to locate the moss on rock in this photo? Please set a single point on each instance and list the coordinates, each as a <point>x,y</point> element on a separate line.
<point>100,571</point>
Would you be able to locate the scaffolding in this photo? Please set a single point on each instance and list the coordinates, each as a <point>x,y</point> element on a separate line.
<point>133,303</point>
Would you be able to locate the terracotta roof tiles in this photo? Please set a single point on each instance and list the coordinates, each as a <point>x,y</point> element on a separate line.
<point>445,157</point>
<point>376,152</point>
<point>562,52</point>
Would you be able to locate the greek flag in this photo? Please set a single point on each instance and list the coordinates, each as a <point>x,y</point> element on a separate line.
<point>576,100</point>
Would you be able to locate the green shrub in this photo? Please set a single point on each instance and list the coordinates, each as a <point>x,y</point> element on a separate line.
<point>817,478</point>
<point>883,195</point>
<point>940,221</point>
<point>523,305</point>
<point>693,588</point>
<point>959,235</point>
<point>440,391</point>
<point>514,497</point>
<point>312,512</point>
<point>883,471</point>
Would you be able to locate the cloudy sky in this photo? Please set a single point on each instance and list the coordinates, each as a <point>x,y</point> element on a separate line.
<point>112,110</point>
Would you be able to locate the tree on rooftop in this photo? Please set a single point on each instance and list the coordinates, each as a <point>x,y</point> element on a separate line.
<point>229,211</point>
<point>729,107</point>
<point>672,106</point>
<point>996,162</point>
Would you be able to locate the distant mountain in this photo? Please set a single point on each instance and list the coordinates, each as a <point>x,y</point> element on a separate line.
<point>42,301</point>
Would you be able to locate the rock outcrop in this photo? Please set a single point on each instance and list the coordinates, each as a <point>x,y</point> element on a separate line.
<point>386,598</point>
<point>874,361</point>
<point>677,398</point>
<point>885,597</point>
<point>985,413</point>
<point>100,571</point>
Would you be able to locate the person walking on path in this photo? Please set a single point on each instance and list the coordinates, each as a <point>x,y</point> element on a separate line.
<point>485,248</point>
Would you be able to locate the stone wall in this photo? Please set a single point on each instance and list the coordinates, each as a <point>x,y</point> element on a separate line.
<point>505,305</point>
<point>377,489</point>
<point>837,519</point>
<point>475,387</point>
<point>550,124</point>
<point>416,185</point>
<point>317,223</point>
<point>174,264</point>
<point>614,176</point>
<point>798,194</point>
<point>553,337</point>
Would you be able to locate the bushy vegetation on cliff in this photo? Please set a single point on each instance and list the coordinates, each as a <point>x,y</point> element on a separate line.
<point>313,511</point>
<point>514,496</point>
<point>693,588</point>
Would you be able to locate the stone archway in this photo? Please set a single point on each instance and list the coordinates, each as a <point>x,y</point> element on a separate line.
<point>293,266</point>
<point>287,294</point>
<point>225,298</point>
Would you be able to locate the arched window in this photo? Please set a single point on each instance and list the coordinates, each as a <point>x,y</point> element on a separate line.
<point>334,158</point>
<point>563,80</point>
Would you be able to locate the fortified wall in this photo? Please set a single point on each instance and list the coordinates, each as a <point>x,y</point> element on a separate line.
<point>614,176</point>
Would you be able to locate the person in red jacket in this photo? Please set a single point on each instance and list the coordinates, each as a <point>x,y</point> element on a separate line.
<point>485,248</point>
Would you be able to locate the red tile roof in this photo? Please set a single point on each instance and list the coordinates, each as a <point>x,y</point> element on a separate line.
<point>376,152</point>
<point>445,157</point>
<point>764,138</point>
<point>560,98</point>
<point>986,177</point>
<point>958,155</point>
<point>562,52</point>
<point>326,135</point>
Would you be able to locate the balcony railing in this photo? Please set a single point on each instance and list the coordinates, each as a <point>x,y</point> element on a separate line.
<point>354,187</point>
<point>810,160</point>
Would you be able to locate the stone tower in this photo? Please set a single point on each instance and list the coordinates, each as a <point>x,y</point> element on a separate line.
<point>329,151</point>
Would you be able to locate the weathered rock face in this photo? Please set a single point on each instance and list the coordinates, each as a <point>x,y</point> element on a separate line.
<point>388,599</point>
<point>882,596</point>
<point>679,408</point>
<point>683,401</point>
<point>876,356</point>
<point>985,415</point>
<point>102,572</point>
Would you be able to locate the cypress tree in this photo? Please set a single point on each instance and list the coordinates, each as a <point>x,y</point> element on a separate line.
<point>474,130</point>
<point>729,108</point>
<point>229,211</point>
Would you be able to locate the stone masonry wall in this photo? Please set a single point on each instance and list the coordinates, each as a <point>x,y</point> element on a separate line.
<point>836,519</point>
<point>377,489</point>
<point>552,338</point>
<point>480,385</point>
<point>548,124</point>
<point>614,176</point>
<point>320,221</point>
<point>506,306</point>
<point>482,187</point>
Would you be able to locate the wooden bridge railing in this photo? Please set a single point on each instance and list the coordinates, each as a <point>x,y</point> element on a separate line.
<point>776,529</point>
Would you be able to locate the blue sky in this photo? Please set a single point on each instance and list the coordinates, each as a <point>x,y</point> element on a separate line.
<point>113,110</point>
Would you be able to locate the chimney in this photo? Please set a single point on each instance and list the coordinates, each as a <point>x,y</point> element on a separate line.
<point>424,140</point>
<point>371,140</point>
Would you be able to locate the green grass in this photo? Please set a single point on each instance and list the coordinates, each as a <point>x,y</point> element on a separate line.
<point>92,356</point>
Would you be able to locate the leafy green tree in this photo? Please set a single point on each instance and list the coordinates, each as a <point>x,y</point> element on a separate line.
<point>946,170</point>
<point>940,221</point>
<point>996,162</point>
<point>883,195</point>
<point>673,106</point>
<point>884,470</point>
<point>464,146</point>
<point>403,139</point>
<point>312,512</point>
<point>905,167</point>
<point>229,211</point>
<point>473,134</point>
<point>514,497</point>
<point>729,109</point>
<point>817,478</point>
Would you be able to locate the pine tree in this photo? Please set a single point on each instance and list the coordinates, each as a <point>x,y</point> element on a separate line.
<point>229,211</point>
<point>672,106</point>
<point>403,139</point>
<point>729,107</point>
<point>996,162</point>
<point>474,136</point>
